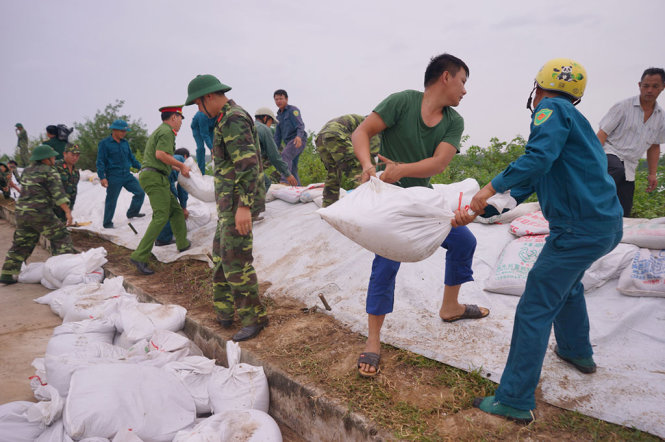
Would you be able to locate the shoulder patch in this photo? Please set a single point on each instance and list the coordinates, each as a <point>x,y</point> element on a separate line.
<point>296,113</point>
<point>541,116</point>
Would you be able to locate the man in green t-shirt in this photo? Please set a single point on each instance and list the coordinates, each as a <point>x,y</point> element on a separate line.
<point>420,133</point>
<point>158,162</point>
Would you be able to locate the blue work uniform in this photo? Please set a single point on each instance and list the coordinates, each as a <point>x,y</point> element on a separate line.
<point>290,126</point>
<point>202,129</point>
<point>113,162</point>
<point>166,235</point>
<point>564,163</point>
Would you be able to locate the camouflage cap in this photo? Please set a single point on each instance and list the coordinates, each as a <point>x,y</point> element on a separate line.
<point>73,148</point>
<point>18,125</point>
<point>42,152</point>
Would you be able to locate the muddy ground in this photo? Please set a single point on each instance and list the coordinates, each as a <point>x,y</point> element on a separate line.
<point>413,398</point>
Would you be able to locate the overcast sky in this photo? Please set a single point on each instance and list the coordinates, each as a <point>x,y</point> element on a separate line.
<point>63,60</point>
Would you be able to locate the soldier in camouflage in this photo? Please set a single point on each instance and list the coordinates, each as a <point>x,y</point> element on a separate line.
<point>333,144</point>
<point>22,143</point>
<point>240,194</point>
<point>69,175</point>
<point>41,191</point>
<point>5,179</point>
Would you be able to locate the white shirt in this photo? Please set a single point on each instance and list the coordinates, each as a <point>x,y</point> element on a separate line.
<point>628,135</point>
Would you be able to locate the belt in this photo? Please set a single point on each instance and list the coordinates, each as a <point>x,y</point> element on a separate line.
<point>152,169</point>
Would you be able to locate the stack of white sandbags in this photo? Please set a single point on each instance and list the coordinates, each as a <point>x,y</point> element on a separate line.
<point>519,256</point>
<point>65,270</point>
<point>157,386</point>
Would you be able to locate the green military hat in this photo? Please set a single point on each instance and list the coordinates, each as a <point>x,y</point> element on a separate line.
<point>42,152</point>
<point>120,125</point>
<point>18,125</point>
<point>202,85</point>
<point>73,148</point>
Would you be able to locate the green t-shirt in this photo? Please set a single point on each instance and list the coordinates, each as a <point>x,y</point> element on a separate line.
<point>163,138</point>
<point>407,138</point>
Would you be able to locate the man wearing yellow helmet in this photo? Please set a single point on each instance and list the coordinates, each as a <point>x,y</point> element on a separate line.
<point>565,165</point>
<point>630,128</point>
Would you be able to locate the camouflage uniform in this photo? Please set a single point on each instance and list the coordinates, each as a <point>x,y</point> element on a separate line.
<point>70,181</point>
<point>333,144</point>
<point>239,181</point>
<point>22,144</point>
<point>4,182</point>
<point>41,191</point>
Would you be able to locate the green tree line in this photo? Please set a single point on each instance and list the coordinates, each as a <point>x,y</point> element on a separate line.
<point>484,163</point>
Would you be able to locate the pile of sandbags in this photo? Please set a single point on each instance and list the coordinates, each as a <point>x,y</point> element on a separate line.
<point>156,386</point>
<point>641,272</point>
<point>65,270</point>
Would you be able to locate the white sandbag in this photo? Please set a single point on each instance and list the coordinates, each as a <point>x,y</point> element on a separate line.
<point>126,435</point>
<point>609,266</point>
<point>71,269</point>
<point>510,215</point>
<point>289,194</point>
<point>270,195</point>
<point>645,276</point>
<point>15,425</point>
<point>54,433</point>
<point>201,187</point>
<point>468,188</point>
<point>49,409</point>
<point>74,336</point>
<point>512,267</point>
<point>101,304</point>
<point>530,224</point>
<point>649,235</point>
<point>140,321</point>
<point>59,299</point>
<point>31,273</point>
<point>405,225</point>
<point>150,401</point>
<point>88,175</point>
<point>310,192</point>
<point>195,373</point>
<point>59,368</point>
<point>239,387</point>
<point>94,306</point>
<point>459,195</point>
<point>199,216</point>
<point>233,425</point>
<point>38,379</point>
<point>319,201</point>
<point>165,340</point>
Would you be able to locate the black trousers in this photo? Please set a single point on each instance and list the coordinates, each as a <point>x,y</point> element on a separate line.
<point>625,189</point>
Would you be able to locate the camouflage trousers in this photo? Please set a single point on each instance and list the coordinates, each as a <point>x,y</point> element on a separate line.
<point>24,152</point>
<point>339,160</point>
<point>26,237</point>
<point>234,282</point>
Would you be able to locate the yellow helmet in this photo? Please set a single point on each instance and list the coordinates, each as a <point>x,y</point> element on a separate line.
<point>563,75</point>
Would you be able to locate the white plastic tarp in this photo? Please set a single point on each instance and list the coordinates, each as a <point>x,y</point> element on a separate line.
<point>303,256</point>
